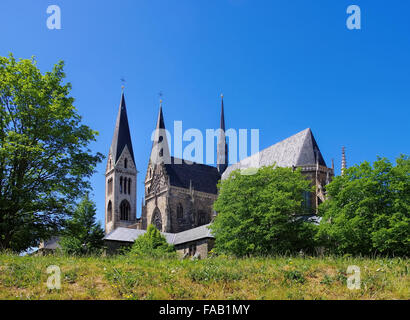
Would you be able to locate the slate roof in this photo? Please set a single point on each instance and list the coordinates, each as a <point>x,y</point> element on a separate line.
<point>51,244</point>
<point>300,149</point>
<point>201,232</point>
<point>204,178</point>
<point>122,135</point>
<point>129,235</point>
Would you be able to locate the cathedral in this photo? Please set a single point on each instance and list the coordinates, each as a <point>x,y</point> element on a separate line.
<point>179,195</point>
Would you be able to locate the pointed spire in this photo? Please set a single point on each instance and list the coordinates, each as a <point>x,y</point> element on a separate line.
<point>222,113</point>
<point>160,149</point>
<point>160,121</point>
<point>222,152</point>
<point>343,160</point>
<point>122,136</point>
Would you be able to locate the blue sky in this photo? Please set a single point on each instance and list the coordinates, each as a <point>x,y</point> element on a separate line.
<point>282,65</point>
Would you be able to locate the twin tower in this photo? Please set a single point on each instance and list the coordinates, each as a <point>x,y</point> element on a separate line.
<point>177,196</point>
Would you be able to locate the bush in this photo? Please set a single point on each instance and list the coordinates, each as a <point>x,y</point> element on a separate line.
<point>153,244</point>
<point>261,214</point>
<point>368,211</point>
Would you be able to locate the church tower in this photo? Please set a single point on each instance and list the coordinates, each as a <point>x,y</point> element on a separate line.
<point>222,149</point>
<point>120,176</point>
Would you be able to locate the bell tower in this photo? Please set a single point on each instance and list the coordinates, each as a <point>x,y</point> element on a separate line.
<point>120,176</point>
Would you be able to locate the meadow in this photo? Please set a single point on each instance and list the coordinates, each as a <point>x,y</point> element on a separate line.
<point>124,277</point>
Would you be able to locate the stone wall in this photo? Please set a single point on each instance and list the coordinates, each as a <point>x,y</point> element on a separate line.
<point>201,246</point>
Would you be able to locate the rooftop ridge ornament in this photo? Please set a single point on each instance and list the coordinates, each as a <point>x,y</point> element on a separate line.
<point>123,84</point>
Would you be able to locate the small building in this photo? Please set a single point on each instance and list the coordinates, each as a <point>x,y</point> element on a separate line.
<point>48,247</point>
<point>192,242</point>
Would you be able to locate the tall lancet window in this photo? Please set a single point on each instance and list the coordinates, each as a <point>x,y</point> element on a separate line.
<point>125,163</point>
<point>129,186</point>
<point>120,184</point>
<point>180,211</point>
<point>109,186</point>
<point>109,211</point>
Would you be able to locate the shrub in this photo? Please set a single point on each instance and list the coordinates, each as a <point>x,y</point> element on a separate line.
<point>153,244</point>
<point>368,211</point>
<point>261,214</point>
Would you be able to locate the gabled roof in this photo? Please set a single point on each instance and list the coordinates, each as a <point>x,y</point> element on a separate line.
<point>300,149</point>
<point>129,235</point>
<point>201,232</point>
<point>201,177</point>
<point>122,136</point>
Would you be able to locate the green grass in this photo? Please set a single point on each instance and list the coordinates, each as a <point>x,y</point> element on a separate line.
<point>121,277</point>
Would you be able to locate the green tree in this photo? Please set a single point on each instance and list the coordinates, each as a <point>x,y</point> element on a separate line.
<point>45,161</point>
<point>261,213</point>
<point>82,234</point>
<point>368,210</point>
<point>152,243</point>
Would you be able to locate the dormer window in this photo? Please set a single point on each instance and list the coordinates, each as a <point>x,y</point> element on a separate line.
<point>125,163</point>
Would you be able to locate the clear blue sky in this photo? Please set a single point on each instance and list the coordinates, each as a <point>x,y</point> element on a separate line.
<point>282,65</point>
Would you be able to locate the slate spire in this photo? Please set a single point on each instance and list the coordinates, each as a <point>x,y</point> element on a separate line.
<point>122,136</point>
<point>222,149</point>
<point>160,149</point>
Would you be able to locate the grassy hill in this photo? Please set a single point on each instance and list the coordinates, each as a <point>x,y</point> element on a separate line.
<point>121,277</point>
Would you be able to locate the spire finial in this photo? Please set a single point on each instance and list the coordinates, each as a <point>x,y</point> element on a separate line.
<point>123,84</point>
<point>222,95</point>
<point>343,160</point>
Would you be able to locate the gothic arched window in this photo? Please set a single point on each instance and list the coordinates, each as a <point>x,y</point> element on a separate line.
<point>109,211</point>
<point>157,219</point>
<point>109,186</point>
<point>129,186</point>
<point>125,209</point>
<point>180,211</point>
<point>125,163</point>
<point>120,184</point>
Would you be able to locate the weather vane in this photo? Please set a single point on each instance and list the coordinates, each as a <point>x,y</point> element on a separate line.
<point>123,83</point>
<point>160,94</point>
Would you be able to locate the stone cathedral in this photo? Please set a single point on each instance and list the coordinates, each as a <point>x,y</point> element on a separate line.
<point>179,195</point>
